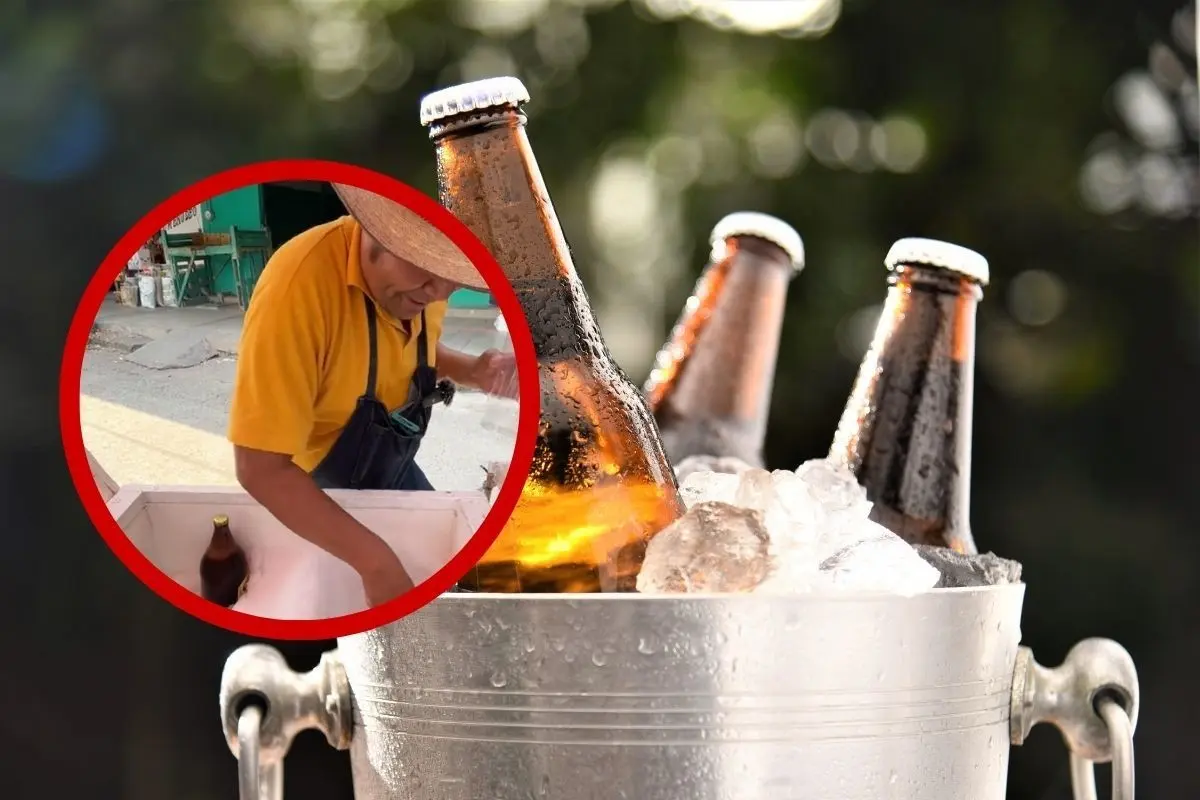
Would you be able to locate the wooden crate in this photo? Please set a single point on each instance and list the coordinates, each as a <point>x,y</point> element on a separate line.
<point>289,577</point>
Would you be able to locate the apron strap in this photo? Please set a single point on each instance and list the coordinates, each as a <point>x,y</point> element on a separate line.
<point>373,352</point>
<point>373,345</point>
<point>422,345</point>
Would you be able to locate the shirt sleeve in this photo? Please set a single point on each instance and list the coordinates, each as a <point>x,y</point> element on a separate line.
<point>279,365</point>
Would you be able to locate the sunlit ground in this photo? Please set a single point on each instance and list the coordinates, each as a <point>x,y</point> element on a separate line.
<point>123,408</point>
<point>135,447</point>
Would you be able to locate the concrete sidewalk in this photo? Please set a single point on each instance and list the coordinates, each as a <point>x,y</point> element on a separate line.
<point>177,338</point>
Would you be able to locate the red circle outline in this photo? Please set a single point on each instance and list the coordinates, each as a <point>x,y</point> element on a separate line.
<point>71,427</point>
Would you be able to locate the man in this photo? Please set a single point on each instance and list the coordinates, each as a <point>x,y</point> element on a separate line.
<point>339,368</point>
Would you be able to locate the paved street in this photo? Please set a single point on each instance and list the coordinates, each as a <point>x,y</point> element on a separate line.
<point>167,426</point>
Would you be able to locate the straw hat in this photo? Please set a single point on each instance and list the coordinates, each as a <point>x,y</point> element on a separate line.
<point>407,235</point>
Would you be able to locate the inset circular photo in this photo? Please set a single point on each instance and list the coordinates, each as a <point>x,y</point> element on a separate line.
<point>299,399</point>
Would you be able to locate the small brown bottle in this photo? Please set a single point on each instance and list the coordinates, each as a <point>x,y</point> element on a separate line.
<point>906,429</point>
<point>223,568</point>
<point>600,485</point>
<point>710,389</point>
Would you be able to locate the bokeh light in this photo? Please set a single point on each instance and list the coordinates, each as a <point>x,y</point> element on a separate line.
<point>1036,297</point>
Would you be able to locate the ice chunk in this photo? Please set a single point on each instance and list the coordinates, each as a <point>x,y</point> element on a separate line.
<point>693,464</point>
<point>796,532</point>
<point>957,570</point>
<point>833,487</point>
<point>878,560</point>
<point>830,541</point>
<point>804,514</point>
<point>759,490</point>
<point>714,547</point>
<point>706,487</point>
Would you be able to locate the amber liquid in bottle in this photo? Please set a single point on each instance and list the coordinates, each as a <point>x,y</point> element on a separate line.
<point>600,484</point>
<point>223,567</point>
<point>710,390</point>
<point>906,429</point>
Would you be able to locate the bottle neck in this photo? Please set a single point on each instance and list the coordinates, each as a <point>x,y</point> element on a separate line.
<point>906,429</point>
<point>222,540</point>
<point>711,388</point>
<point>489,178</point>
<point>932,309</point>
<point>937,280</point>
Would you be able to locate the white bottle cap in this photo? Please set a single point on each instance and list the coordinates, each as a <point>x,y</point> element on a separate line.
<point>933,253</point>
<point>761,226</point>
<point>474,96</point>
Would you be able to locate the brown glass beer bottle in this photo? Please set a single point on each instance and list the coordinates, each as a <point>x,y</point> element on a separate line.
<point>710,389</point>
<point>223,568</point>
<point>906,429</point>
<point>600,485</point>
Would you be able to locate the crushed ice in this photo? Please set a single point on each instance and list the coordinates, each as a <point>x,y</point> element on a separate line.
<point>692,464</point>
<point>778,532</point>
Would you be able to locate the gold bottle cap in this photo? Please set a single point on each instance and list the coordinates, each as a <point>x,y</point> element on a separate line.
<point>474,96</point>
<point>933,253</point>
<point>761,226</point>
<point>220,519</point>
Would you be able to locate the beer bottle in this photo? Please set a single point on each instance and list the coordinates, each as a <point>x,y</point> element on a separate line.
<point>600,485</point>
<point>710,389</point>
<point>223,568</point>
<point>906,429</point>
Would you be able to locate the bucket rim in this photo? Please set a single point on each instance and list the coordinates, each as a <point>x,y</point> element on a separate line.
<point>824,595</point>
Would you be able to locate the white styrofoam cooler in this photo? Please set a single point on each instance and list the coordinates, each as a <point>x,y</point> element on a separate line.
<point>104,482</point>
<point>290,578</point>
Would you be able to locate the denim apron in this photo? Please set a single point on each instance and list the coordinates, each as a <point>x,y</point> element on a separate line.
<point>377,449</point>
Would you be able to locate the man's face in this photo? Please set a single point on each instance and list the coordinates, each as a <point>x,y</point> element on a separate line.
<point>401,287</point>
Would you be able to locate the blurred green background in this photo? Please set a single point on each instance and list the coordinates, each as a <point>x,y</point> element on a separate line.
<point>1057,137</point>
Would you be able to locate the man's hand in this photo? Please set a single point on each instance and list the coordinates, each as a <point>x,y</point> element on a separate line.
<point>293,498</point>
<point>495,372</point>
<point>385,581</point>
<point>492,371</point>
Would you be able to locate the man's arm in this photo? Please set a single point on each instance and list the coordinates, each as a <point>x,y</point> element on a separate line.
<point>272,413</point>
<point>291,495</point>
<point>456,366</point>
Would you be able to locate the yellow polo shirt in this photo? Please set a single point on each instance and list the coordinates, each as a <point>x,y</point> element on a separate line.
<point>303,357</point>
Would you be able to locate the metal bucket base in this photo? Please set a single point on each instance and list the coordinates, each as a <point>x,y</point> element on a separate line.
<point>855,697</point>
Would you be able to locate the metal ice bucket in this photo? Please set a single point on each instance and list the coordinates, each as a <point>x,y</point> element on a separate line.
<point>589,697</point>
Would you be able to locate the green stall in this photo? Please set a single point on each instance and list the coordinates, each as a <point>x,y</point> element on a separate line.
<point>240,229</point>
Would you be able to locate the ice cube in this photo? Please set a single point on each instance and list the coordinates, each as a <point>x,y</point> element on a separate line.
<point>803,512</point>
<point>693,464</point>
<point>829,540</point>
<point>714,547</point>
<point>781,532</point>
<point>957,570</point>
<point>705,487</point>
<point>833,486</point>
<point>868,558</point>
<point>756,490</point>
<point>875,559</point>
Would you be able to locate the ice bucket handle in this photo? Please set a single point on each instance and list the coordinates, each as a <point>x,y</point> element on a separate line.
<point>264,704</point>
<point>1092,698</point>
